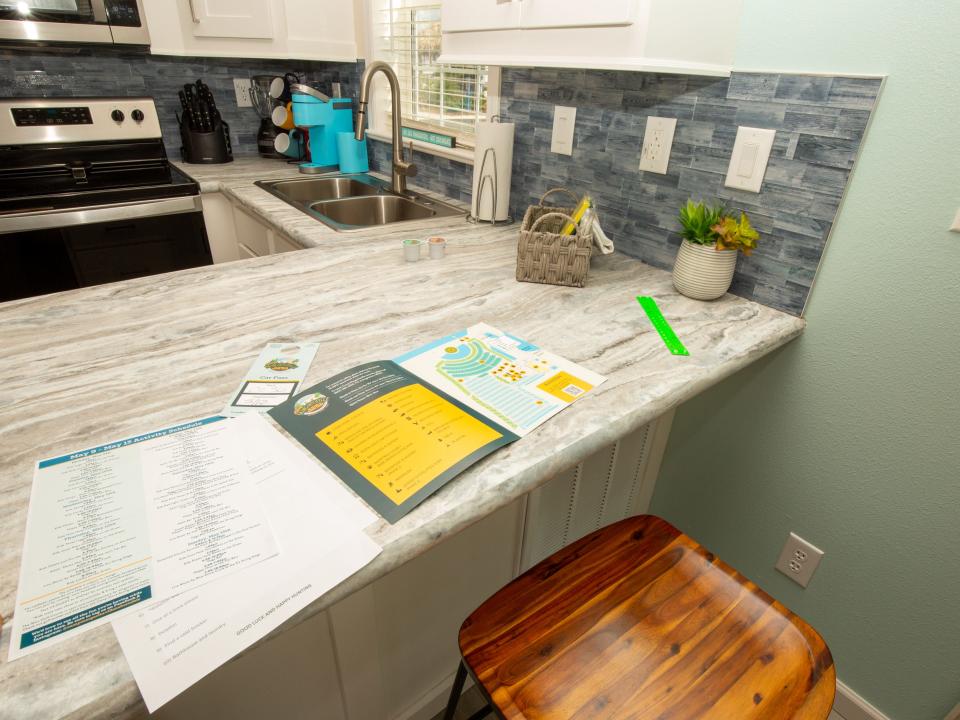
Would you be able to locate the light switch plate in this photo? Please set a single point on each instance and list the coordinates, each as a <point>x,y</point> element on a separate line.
<point>956,223</point>
<point>748,163</point>
<point>657,141</point>
<point>564,120</point>
<point>242,87</point>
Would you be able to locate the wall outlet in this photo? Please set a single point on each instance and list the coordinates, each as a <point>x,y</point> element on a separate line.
<point>564,121</point>
<point>242,87</point>
<point>956,223</point>
<point>798,559</point>
<point>657,141</point>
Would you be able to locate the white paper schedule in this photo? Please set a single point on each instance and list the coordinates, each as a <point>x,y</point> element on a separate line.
<point>173,643</point>
<point>113,527</point>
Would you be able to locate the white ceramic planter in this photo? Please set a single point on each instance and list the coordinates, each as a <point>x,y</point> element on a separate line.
<point>702,272</point>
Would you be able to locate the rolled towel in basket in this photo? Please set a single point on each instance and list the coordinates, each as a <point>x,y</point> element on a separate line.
<point>590,223</point>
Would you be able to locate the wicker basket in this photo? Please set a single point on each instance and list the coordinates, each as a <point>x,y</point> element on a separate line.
<point>546,256</point>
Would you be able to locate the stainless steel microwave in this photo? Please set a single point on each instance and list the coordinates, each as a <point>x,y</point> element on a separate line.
<point>118,22</point>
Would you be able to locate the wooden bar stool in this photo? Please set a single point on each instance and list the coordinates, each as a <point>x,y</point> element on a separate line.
<point>637,620</point>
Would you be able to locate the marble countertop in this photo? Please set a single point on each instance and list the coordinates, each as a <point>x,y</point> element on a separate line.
<point>106,362</point>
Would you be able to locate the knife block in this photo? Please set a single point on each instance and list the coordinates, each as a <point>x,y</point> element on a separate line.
<point>206,147</point>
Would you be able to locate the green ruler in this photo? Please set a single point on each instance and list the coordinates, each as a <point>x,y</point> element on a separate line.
<point>661,325</point>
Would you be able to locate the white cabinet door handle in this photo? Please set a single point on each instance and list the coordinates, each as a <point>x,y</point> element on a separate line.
<point>193,12</point>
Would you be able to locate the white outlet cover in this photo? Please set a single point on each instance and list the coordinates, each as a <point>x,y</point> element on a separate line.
<point>956,223</point>
<point>657,142</point>
<point>564,121</point>
<point>798,559</point>
<point>748,163</point>
<point>242,87</point>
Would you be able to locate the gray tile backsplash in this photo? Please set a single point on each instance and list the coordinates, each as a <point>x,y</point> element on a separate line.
<point>96,71</point>
<point>820,122</point>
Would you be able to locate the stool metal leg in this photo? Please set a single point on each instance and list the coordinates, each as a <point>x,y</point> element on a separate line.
<point>455,691</point>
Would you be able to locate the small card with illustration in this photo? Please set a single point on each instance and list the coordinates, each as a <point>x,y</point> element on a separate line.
<point>274,376</point>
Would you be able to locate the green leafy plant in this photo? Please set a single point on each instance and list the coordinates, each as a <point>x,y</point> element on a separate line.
<point>703,224</point>
<point>733,235</point>
<point>698,220</point>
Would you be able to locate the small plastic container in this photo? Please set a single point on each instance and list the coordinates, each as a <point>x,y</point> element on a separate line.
<point>438,247</point>
<point>411,250</point>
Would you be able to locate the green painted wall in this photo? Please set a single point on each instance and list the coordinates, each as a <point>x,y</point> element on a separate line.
<point>850,436</point>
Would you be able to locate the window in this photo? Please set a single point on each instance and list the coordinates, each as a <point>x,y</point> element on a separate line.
<point>448,99</point>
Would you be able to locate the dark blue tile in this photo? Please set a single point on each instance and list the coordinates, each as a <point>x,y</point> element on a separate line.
<point>833,152</point>
<point>803,88</point>
<point>752,86</point>
<point>854,92</point>
<point>810,122</point>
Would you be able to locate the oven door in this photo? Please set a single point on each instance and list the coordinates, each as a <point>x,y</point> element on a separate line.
<point>44,252</point>
<point>74,21</point>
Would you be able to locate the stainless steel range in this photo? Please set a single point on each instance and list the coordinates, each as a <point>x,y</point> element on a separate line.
<point>87,196</point>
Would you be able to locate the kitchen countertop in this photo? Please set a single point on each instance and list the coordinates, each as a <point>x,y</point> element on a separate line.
<point>111,361</point>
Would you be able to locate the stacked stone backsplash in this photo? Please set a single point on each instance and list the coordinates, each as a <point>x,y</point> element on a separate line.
<point>820,122</point>
<point>98,71</point>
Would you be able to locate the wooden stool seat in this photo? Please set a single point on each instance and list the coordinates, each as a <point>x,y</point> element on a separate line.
<point>637,620</point>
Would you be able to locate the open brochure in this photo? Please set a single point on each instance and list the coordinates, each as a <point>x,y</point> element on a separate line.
<point>397,430</point>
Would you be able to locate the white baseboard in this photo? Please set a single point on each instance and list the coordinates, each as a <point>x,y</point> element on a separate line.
<point>851,706</point>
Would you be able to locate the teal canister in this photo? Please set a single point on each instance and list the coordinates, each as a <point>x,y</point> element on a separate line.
<point>353,153</point>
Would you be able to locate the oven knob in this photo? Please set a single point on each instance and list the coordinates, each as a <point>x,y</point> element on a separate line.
<point>137,115</point>
<point>117,115</point>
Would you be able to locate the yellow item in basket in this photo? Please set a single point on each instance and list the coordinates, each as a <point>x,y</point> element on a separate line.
<point>577,214</point>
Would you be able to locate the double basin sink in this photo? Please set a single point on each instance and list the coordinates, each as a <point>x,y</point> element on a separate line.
<point>353,202</point>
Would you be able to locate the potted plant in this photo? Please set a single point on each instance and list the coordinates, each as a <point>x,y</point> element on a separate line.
<point>708,254</point>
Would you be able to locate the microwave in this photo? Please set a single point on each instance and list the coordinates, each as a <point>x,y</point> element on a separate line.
<point>118,22</point>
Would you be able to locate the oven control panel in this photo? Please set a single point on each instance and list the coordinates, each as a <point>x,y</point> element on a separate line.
<point>51,116</point>
<point>26,121</point>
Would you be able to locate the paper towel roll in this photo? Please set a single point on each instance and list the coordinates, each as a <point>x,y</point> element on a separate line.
<point>499,137</point>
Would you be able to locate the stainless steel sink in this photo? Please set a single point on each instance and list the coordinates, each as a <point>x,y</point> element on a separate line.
<point>354,202</point>
<point>311,190</point>
<point>367,211</point>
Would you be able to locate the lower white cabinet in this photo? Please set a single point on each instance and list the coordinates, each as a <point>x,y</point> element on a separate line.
<point>236,234</point>
<point>389,651</point>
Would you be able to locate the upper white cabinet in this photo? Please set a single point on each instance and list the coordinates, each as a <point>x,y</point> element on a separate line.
<point>475,15</point>
<point>478,15</point>
<point>231,18</point>
<point>288,29</point>
<point>679,36</point>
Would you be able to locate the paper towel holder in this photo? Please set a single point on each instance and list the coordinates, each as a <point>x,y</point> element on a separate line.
<point>471,218</point>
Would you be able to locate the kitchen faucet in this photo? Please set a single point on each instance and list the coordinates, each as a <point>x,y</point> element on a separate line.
<point>401,168</point>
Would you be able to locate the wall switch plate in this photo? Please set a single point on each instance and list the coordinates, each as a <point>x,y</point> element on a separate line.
<point>798,559</point>
<point>956,223</point>
<point>748,163</point>
<point>242,87</point>
<point>657,141</point>
<point>564,120</point>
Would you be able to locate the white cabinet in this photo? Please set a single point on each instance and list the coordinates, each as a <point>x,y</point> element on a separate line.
<point>473,15</point>
<point>477,15</point>
<point>231,18</point>
<point>235,234</point>
<point>287,29</point>
<point>678,36</point>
